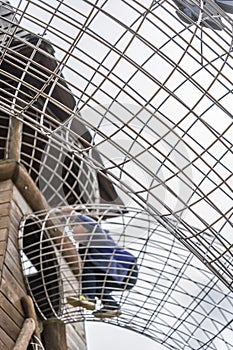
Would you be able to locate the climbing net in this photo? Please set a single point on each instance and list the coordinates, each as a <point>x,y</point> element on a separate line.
<point>124,111</point>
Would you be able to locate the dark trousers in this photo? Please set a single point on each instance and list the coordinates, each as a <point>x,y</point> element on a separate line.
<point>94,284</point>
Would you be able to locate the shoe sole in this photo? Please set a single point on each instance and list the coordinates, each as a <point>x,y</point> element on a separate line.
<point>107,314</point>
<point>207,22</point>
<point>80,303</point>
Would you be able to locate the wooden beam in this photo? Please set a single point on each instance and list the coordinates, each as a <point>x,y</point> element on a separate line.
<point>7,169</point>
<point>29,311</point>
<point>25,334</point>
<point>15,139</point>
<point>11,169</point>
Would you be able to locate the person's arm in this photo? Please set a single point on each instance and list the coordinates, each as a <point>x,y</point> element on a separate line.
<point>68,211</point>
<point>80,231</point>
<point>9,23</point>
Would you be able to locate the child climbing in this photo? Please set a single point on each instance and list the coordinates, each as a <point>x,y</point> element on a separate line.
<point>106,267</point>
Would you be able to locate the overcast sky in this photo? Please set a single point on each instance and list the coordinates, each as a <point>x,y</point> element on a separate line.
<point>107,337</point>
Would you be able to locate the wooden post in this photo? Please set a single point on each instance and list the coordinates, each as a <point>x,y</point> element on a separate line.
<point>54,335</point>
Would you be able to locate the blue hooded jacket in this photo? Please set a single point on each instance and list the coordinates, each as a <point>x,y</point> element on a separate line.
<point>103,252</point>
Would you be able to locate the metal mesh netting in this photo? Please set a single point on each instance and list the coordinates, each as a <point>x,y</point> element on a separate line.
<point>128,105</point>
<point>176,300</point>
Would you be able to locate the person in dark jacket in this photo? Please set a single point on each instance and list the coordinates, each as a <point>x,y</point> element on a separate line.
<point>31,80</point>
<point>106,267</point>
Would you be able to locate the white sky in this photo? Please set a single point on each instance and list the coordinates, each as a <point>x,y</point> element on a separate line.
<point>108,337</point>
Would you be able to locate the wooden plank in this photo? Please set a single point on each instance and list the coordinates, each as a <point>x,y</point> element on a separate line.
<point>2,247</point>
<point>14,226</point>
<point>3,234</point>
<point>6,185</point>
<point>14,266</point>
<point>13,235</point>
<point>5,208</point>
<point>6,342</point>
<point>8,325</point>
<point>11,288</point>
<point>4,221</point>
<point>19,204</point>
<point>13,243</point>
<point>11,310</point>
<point>6,197</point>
<point>13,253</point>
<point>15,215</point>
<point>1,266</point>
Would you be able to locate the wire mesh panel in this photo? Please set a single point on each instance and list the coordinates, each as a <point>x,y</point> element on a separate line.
<point>176,300</point>
<point>41,268</point>
<point>35,344</point>
<point>128,103</point>
<point>57,252</point>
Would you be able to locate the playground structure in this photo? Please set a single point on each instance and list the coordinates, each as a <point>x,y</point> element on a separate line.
<point>129,122</point>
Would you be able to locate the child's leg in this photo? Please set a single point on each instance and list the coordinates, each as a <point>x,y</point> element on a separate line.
<point>89,284</point>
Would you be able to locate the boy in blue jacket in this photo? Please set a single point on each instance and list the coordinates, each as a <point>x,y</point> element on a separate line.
<point>106,267</point>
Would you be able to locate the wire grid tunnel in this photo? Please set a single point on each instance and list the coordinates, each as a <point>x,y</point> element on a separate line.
<point>174,300</point>
<point>135,113</point>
